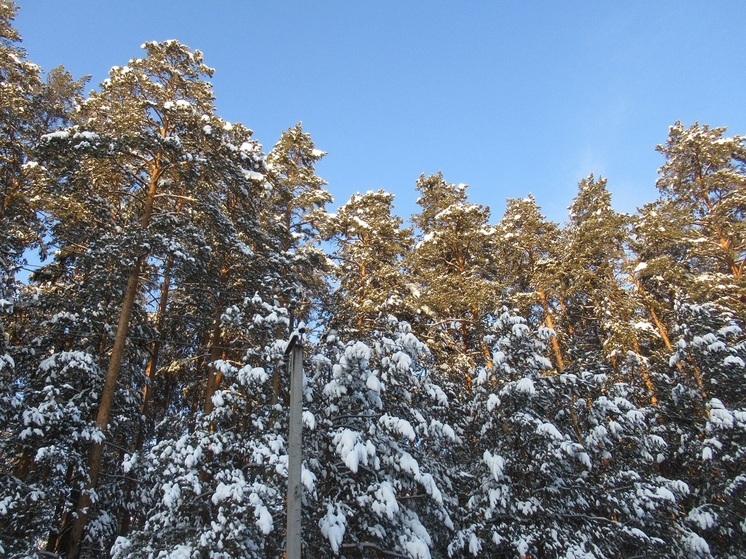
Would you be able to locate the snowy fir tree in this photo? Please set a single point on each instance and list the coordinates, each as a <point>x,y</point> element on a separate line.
<point>471,389</point>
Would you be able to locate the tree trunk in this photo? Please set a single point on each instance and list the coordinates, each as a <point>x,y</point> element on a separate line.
<point>56,532</point>
<point>550,324</point>
<point>155,347</point>
<point>696,373</point>
<point>214,378</point>
<point>112,374</point>
<point>150,369</point>
<point>646,375</point>
<point>276,383</point>
<point>651,311</point>
<point>104,407</point>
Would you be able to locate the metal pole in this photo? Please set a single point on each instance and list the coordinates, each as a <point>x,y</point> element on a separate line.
<point>295,448</point>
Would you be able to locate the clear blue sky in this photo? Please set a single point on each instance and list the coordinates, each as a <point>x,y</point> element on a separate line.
<point>508,97</point>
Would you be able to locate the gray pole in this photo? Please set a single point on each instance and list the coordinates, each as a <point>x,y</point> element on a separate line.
<point>295,448</point>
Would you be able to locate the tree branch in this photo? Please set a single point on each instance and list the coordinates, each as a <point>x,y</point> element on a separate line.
<point>362,545</point>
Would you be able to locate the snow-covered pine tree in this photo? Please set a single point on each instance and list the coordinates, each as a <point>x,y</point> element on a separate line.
<point>528,257</point>
<point>218,487</point>
<point>703,419</point>
<point>563,465</point>
<point>450,267</point>
<point>370,244</point>
<point>379,432</point>
<point>703,185</point>
<point>29,488</point>
<point>688,244</point>
<point>18,219</point>
<point>29,107</point>
<point>600,312</point>
<point>654,270</point>
<point>158,157</point>
<point>213,481</point>
<point>294,214</point>
<point>291,219</point>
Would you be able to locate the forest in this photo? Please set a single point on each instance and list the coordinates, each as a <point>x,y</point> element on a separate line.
<point>473,386</point>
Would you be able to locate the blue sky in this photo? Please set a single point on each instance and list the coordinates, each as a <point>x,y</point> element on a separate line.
<point>508,97</point>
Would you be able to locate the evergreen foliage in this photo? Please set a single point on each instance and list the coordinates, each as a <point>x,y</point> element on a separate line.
<point>370,246</point>
<point>451,272</point>
<point>521,389</point>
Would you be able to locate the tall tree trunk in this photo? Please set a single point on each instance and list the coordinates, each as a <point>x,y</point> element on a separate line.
<point>696,373</point>
<point>214,378</point>
<point>112,374</point>
<point>150,369</point>
<point>550,324</point>
<point>484,350</point>
<point>155,347</point>
<point>276,382</point>
<point>360,319</point>
<point>105,405</point>
<point>651,311</point>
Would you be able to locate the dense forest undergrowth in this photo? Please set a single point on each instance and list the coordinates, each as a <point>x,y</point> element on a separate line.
<point>508,388</point>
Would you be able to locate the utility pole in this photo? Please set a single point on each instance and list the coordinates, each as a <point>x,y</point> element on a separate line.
<point>295,445</point>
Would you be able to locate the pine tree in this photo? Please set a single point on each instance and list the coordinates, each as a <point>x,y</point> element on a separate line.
<point>218,487</point>
<point>689,243</point>
<point>19,175</point>
<point>295,212</point>
<point>375,451</point>
<point>159,158</point>
<point>297,206</point>
<point>528,252</point>
<point>600,310</point>
<point>29,108</point>
<point>20,80</point>
<point>594,248</point>
<point>702,185</point>
<point>702,420</point>
<point>370,247</point>
<point>562,465</point>
<point>450,269</point>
